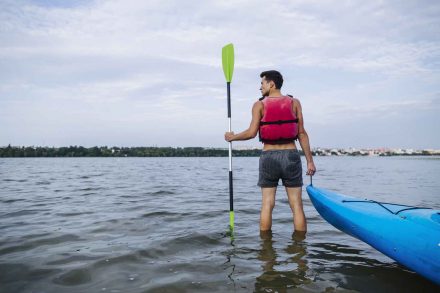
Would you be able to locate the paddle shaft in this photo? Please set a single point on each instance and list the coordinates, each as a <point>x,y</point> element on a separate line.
<point>231,189</point>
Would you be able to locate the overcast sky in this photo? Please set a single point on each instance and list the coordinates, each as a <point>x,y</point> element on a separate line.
<point>148,73</point>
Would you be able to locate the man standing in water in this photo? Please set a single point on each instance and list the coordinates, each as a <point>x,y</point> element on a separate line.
<point>280,122</point>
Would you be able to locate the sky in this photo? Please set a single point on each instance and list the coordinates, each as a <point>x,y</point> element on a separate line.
<point>148,73</point>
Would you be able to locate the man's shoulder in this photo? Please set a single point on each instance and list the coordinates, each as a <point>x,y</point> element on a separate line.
<point>296,105</point>
<point>258,104</point>
<point>295,100</point>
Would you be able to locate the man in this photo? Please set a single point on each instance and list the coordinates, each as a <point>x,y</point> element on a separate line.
<point>279,120</point>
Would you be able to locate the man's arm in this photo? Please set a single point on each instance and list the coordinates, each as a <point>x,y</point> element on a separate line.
<point>303,139</point>
<point>252,131</point>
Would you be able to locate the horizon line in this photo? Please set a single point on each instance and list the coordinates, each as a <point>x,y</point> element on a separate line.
<point>219,148</point>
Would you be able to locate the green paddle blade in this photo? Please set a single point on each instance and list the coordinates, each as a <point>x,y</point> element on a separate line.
<point>228,61</point>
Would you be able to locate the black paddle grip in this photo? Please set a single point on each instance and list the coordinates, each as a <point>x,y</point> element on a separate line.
<point>231,193</point>
<point>228,84</point>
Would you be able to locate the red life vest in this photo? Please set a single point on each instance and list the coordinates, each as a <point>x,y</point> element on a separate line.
<point>279,124</point>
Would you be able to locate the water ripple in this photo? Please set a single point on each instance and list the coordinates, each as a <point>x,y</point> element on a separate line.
<point>150,225</point>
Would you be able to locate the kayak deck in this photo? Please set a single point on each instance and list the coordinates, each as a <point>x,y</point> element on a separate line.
<point>410,235</point>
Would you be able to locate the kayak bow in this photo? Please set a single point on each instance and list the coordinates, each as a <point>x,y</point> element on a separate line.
<point>409,235</point>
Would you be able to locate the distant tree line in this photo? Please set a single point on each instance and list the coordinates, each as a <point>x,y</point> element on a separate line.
<point>104,151</point>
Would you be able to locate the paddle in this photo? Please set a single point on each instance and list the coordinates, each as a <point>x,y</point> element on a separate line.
<point>228,69</point>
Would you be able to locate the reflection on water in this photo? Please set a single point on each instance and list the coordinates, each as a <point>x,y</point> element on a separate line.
<point>274,277</point>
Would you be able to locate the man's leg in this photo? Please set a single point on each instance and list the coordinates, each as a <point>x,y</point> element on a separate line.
<point>267,204</point>
<point>296,205</point>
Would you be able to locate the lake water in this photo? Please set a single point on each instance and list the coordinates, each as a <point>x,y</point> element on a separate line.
<point>159,225</point>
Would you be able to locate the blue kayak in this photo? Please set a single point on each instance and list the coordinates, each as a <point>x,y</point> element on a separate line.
<point>409,235</point>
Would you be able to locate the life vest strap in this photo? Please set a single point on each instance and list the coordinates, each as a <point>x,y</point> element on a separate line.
<point>278,122</point>
<point>278,141</point>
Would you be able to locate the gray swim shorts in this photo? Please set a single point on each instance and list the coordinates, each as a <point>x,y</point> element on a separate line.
<point>280,164</point>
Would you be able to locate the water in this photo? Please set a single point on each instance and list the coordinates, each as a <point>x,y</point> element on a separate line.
<point>158,225</point>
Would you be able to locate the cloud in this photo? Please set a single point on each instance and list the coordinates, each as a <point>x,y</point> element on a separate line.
<point>381,110</point>
<point>141,61</point>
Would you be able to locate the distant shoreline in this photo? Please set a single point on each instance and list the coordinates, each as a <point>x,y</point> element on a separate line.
<point>104,151</point>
